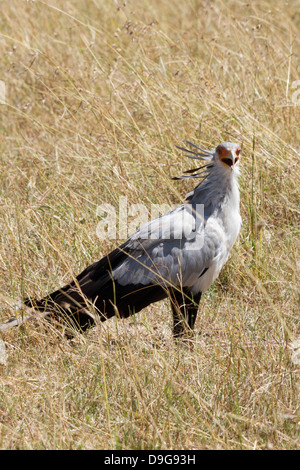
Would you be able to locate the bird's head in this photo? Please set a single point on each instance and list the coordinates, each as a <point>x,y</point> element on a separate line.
<point>227,154</point>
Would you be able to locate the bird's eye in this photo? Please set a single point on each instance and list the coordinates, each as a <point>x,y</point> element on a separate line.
<point>238,151</point>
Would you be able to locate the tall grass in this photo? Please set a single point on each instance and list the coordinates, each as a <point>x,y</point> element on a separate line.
<point>97,95</point>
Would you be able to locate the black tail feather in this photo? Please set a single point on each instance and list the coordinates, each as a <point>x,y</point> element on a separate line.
<point>94,291</point>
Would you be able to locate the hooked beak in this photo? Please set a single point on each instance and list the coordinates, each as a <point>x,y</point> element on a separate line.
<point>229,160</point>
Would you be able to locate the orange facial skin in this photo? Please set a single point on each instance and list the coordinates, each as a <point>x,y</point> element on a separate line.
<point>227,157</point>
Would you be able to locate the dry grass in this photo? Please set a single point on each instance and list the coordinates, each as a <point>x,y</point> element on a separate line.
<point>98,94</point>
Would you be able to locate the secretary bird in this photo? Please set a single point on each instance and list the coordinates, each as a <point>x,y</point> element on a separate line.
<point>178,255</point>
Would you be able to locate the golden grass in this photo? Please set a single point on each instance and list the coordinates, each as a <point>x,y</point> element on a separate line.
<point>97,95</point>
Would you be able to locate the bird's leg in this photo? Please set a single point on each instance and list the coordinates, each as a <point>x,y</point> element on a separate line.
<point>185,309</point>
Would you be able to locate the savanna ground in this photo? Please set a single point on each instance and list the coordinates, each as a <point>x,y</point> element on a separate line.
<point>97,95</point>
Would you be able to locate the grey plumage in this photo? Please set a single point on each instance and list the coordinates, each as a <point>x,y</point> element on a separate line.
<point>178,255</point>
